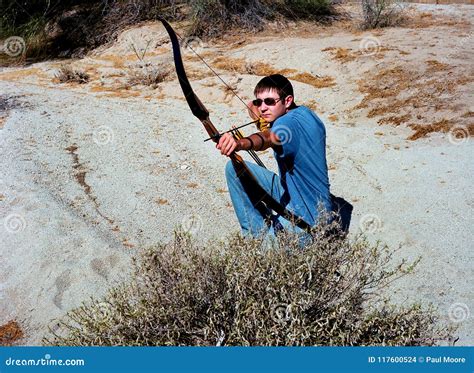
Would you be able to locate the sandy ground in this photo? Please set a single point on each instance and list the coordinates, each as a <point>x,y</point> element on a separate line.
<point>92,174</point>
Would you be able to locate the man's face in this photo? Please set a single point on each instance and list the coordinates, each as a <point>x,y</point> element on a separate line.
<point>272,112</point>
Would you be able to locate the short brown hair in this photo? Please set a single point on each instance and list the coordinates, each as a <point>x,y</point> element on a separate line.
<point>276,82</point>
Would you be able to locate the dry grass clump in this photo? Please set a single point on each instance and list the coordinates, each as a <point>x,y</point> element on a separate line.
<point>67,74</point>
<point>443,125</point>
<point>314,105</point>
<point>10,333</point>
<point>394,120</point>
<point>400,93</point>
<point>422,130</point>
<point>344,55</point>
<point>240,292</point>
<point>241,66</point>
<point>434,65</point>
<point>315,81</point>
<point>341,54</point>
<point>381,13</point>
<point>427,19</point>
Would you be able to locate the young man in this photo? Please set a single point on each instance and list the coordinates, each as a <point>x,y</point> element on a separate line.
<point>298,139</point>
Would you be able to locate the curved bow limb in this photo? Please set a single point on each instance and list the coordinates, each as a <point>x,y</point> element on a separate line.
<point>255,191</point>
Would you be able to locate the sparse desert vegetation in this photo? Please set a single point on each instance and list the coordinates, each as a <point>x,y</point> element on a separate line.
<point>240,292</point>
<point>68,74</point>
<point>382,13</point>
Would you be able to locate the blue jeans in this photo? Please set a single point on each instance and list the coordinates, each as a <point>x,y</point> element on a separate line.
<point>253,220</point>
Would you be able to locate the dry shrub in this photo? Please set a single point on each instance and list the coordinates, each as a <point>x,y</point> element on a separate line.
<point>95,23</point>
<point>148,74</point>
<point>212,18</point>
<point>67,74</point>
<point>240,292</point>
<point>320,10</point>
<point>71,28</point>
<point>381,13</point>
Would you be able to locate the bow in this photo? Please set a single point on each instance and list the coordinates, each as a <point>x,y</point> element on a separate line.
<point>256,193</point>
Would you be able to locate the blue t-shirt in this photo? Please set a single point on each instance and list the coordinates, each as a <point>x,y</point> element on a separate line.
<point>302,162</point>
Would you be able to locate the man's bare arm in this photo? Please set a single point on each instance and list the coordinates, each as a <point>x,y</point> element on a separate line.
<point>258,141</point>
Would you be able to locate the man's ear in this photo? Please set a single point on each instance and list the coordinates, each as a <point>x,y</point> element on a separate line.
<point>253,110</point>
<point>289,101</point>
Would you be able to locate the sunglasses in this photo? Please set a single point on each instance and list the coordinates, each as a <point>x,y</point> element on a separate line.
<point>269,101</point>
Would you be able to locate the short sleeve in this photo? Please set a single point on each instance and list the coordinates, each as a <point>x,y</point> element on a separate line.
<point>286,130</point>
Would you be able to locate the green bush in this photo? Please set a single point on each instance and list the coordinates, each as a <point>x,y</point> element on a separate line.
<point>239,292</point>
<point>65,28</point>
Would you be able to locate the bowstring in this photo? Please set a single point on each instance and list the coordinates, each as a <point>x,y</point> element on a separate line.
<point>213,71</point>
<point>253,154</point>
